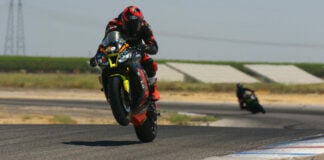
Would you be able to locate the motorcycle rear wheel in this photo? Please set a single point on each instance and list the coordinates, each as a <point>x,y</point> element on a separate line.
<point>148,130</point>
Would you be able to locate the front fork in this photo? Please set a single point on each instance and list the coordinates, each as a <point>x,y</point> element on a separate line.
<point>125,82</point>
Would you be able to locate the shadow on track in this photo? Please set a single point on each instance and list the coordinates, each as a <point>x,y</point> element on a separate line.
<point>102,143</point>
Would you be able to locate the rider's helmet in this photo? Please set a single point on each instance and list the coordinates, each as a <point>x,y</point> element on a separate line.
<point>239,85</point>
<point>132,19</point>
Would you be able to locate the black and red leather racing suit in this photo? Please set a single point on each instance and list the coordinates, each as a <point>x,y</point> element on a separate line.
<point>146,35</point>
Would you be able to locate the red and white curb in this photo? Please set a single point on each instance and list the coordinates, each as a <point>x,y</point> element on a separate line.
<point>306,147</point>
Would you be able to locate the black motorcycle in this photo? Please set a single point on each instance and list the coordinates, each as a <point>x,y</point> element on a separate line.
<point>251,103</point>
<point>126,88</point>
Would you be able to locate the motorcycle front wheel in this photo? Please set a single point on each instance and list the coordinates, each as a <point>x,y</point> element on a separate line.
<point>119,101</point>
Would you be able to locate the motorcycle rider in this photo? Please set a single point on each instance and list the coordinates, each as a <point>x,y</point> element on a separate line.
<point>240,90</point>
<point>131,24</point>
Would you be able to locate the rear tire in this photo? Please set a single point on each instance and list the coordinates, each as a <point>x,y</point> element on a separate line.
<point>148,130</point>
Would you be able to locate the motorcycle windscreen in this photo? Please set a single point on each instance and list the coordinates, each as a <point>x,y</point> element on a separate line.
<point>113,38</point>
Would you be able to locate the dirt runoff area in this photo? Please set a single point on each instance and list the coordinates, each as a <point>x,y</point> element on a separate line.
<point>60,115</point>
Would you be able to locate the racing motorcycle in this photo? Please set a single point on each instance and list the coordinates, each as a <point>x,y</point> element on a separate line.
<point>251,103</point>
<point>126,88</point>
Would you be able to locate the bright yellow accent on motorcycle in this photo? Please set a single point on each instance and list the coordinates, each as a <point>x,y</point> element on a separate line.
<point>125,81</point>
<point>126,85</point>
<point>113,57</point>
<point>113,60</point>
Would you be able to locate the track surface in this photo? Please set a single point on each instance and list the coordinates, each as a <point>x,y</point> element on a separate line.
<point>81,142</point>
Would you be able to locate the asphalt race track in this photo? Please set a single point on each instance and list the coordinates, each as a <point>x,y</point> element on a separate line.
<point>237,131</point>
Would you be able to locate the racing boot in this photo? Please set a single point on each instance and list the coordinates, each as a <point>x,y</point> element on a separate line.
<point>154,91</point>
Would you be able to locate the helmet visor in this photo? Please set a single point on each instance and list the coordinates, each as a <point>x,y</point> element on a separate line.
<point>133,25</point>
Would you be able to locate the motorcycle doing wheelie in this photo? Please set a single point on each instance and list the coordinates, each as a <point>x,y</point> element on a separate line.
<point>126,87</point>
<point>251,102</point>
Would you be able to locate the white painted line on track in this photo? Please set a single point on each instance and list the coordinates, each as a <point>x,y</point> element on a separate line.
<point>305,147</point>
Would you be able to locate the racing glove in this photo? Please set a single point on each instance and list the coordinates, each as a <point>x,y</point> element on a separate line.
<point>93,62</point>
<point>149,49</point>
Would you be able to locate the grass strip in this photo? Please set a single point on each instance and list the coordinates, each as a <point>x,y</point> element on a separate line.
<point>90,81</point>
<point>181,119</point>
<point>62,119</point>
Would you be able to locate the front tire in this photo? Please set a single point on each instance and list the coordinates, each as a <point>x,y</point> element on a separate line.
<point>119,101</point>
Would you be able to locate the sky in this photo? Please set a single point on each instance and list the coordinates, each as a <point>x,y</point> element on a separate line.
<point>213,30</point>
